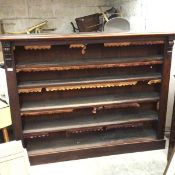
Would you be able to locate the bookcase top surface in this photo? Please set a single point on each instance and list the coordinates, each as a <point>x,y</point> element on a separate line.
<point>55,36</point>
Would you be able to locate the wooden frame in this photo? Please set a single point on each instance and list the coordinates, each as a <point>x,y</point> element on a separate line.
<point>53,88</point>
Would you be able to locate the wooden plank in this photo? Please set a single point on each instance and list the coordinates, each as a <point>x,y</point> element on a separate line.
<point>172,136</point>
<point>88,80</point>
<point>84,35</point>
<point>87,102</point>
<point>121,117</point>
<point>90,63</point>
<point>165,86</point>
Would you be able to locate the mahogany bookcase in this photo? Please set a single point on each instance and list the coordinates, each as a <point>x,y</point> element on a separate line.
<point>85,95</point>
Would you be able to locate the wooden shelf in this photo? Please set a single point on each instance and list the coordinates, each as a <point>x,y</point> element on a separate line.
<point>81,102</point>
<point>90,63</point>
<point>93,140</point>
<point>120,117</point>
<point>88,80</point>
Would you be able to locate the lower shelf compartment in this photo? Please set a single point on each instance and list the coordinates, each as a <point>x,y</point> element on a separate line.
<point>120,117</point>
<point>97,152</point>
<point>85,145</point>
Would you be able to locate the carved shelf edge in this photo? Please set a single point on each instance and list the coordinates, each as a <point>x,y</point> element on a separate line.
<point>88,86</point>
<point>60,68</point>
<point>35,47</point>
<point>46,112</point>
<point>84,46</point>
<point>29,90</point>
<point>154,81</point>
<point>120,44</point>
<point>114,106</point>
<point>81,46</point>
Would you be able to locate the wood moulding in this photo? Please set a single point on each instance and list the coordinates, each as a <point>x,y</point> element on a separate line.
<point>104,128</point>
<point>84,46</point>
<point>35,114</point>
<point>35,47</point>
<point>29,90</point>
<point>89,86</point>
<point>81,46</point>
<point>133,105</point>
<point>120,44</point>
<point>85,86</point>
<point>154,81</point>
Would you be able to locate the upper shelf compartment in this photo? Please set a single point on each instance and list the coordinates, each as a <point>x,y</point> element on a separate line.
<point>66,57</point>
<point>86,78</point>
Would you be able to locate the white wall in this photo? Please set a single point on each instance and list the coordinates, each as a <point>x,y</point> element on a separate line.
<point>148,15</point>
<point>17,15</point>
<point>152,16</point>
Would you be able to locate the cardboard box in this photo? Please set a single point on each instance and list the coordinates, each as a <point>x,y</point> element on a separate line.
<point>13,159</point>
<point>5,115</point>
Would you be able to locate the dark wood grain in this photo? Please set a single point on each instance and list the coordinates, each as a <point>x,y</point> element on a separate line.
<point>81,122</point>
<point>172,136</point>
<point>84,35</point>
<point>165,86</point>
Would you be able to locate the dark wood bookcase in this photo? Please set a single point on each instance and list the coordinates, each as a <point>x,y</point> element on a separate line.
<point>85,95</point>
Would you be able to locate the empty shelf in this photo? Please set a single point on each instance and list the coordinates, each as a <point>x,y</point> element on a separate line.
<point>93,140</point>
<point>90,63</point>
<point>88,80</point>
<point>120,117</point>
<point>81,102</point>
